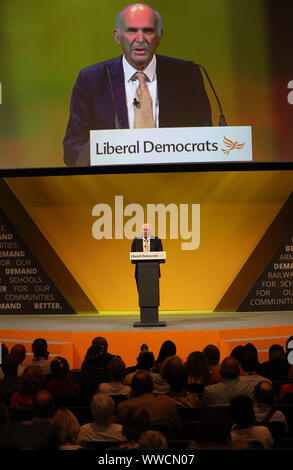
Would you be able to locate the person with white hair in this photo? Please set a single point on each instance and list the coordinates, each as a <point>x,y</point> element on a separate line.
<point>102,428</point>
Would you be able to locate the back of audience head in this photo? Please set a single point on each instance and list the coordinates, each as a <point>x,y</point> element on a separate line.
<point>116,369</point>
<point>67,426</point>
<point>212,354</point>
<point>177,377</point>
<point>60,368</point>
<point>197,366</point>
<point>18,351</point>
<point>10,366</point>
<point>237,352</point>
<point>242,410</point>
<point>251,348</point>
<point>32,380</point>
<point>168,363</point>
<point>101,343</point>
<point>230,368</point>
<point>215,428</point>
<point>103,409</point>
<point>168,348</point>
<point>152,440</point>
<point>264,393</point>
<point>43,404</point>
<point>137,421</point>
<point>142,383</point>
<point>276,351</point>
<point>249,361</point>
<point>145,360</point>
<point>40,348</point>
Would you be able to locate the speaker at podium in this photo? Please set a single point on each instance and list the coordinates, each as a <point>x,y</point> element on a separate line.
<point>147,254</point>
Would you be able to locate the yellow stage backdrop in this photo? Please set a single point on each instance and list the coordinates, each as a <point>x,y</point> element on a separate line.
<point>236,208</point>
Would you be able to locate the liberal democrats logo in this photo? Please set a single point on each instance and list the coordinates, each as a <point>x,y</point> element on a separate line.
<point>230,145</point>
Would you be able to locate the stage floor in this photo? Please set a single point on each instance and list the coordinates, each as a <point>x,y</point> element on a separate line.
<point>175,321</point>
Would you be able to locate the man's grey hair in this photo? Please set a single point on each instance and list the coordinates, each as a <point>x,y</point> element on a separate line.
<point>157,15</point>
<point>102,408</point>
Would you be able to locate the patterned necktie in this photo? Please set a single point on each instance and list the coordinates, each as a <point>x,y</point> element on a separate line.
<point>146,245</point>
<point>143,108</point>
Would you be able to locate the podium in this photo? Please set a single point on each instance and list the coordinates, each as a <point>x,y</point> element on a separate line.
<point>147,278</point>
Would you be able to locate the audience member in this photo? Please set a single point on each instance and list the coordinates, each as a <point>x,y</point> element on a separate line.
<point>243,416</point>
<point>229,386</point>
<point>161,409</point>
<point>4,352</point>
<point>264,405</point>
<point>102,428</point>
<point>177,376</point>
<point>32,380</point>
<point>168,348</point>
<point>215,430</point>
<point>145,361</point>
<point>286,388</point>
<point>249,363</point>
<point>67,427</point>
<point>43,407</point>
<point>40,356</point>
<point>137,421</point>
<point>276,368</point>
<point>93,368</point>
<point>198,368</point>
<point>116,375</point>
<point>152,440</point>
<point>20,436</point>
<point>18,351</point>
<point>61,383</point>
<point>11,382</point>
<point>97,355</point>
<point>212,354</point>
<point>237,352</point>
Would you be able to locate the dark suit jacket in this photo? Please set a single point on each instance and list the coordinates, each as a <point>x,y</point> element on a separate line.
<point>183,102</point>
<point>155,245</point>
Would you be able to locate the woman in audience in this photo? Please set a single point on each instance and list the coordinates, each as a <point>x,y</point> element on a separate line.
<point>197,368</point>
<point>61,383</point>
<point>264,405</point>
<point>243,416</point>
<point>287,388</point>
<point>102,428</point>
<point>115,373</point>
<point>167,349</point>
<point>67,427</point>
<point>32,380</point>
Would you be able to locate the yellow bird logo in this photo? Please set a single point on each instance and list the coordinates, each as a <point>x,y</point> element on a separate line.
<point>230,145</point>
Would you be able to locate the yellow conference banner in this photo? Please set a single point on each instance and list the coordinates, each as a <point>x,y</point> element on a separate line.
<point>213,222</point>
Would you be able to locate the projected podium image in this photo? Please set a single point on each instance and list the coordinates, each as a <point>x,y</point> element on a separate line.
<point>147,274</point>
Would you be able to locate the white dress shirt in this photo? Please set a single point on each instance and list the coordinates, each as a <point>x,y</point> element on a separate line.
<point>131,86</point>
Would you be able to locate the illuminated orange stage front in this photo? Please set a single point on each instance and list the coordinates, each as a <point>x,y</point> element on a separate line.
<point>71,335</point>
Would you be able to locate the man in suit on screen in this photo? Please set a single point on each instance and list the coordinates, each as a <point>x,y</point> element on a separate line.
<point>139,89</point>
